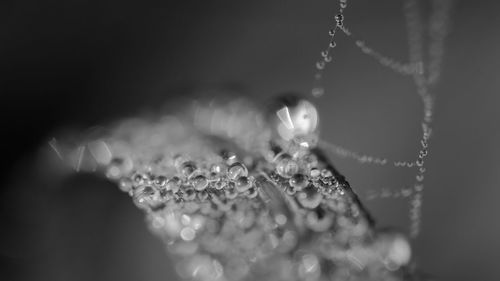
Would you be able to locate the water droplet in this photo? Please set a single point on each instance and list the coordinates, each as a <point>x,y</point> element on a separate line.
<point>174,184</point>
<point>286,166</point>
<point>394,249</point>
<point>229,157</point>
<point>320,65</point>
<point>318,92</point>
<point>187,234</point>
<point>200,182</point>
<point>315,173</point>
<point>160,181</point>
<point>298,181</point>
<point>188,168</point>
<point>294,119</point>
<point>326,173</point>
<point>125,184</point>
<point>218,169</point>
<point>243,184</point>
<point>118,168</point>
<point>318,220</point>
<point>146,196</point>
<point>331,32</point>
<point>231,191</point>
<point>237,170</point>
<point>252,192</point>
<point>309,197</point>
<point>188,194</point>
<point>309,267</point>
<point>332,44</point>
<point>139,179</point>
<point>339,18</point>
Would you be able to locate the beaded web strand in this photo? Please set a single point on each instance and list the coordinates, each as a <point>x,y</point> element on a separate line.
<point>425,69</point>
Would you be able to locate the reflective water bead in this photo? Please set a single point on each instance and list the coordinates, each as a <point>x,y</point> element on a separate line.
<point>314,173</point>
<point>229,157</point>
<point>286,166</point>
<point>203,195</point>
<point>326,173</point>
<point>394,249</point>
<point>252,192</point>
<point>174,184</point>
<point>139,179</point>
<point>237,170</point>
<point>299,181</point>
<point>119,167</point>
<point>125,184</point>
<point>200,182</point>
<point>146,196</point>
<point>188,194</point>
<point>309,197</point>
<point>188,168</point>
<point>219,185</point>
<point>294,118</point>
<point>218,169</point>
<point>339,19</point>
<point>160,181</point>
<point>243,184</point>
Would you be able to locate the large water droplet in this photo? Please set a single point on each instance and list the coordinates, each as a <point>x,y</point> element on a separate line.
<point>237,170</point>
<point>200,182</point>
<point>295,119</point>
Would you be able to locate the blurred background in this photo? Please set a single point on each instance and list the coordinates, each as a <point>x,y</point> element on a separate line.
<point>83,63</point>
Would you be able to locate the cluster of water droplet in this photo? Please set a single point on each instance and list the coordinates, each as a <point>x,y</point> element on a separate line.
<point>276,213</point>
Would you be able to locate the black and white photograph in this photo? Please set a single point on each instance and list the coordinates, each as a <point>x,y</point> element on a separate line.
<point>279,140</point>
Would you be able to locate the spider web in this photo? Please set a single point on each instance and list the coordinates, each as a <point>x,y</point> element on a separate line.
<point>426,49</point>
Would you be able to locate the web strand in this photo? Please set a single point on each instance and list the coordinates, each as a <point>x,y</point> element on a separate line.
<point>424,67</point>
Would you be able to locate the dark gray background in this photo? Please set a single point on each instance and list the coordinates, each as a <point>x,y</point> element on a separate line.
<point>82,63</point>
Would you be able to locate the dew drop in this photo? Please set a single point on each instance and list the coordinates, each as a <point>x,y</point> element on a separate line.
<point>309,197</point>
<point>294,119</point>
<point>318,220</point>
<point>252,192</point>
<point>286,166</point>
<point>189,194</point>
<point>200,182</point>
<point>188,168</point>
<point>237,170</point>
<point>298,181</point>
<point>318,92</point>
<point>160,181</point>
<point>243,184</point>
<point>309,267</point>
<point>314,173</point>
<point>174,184</point>
<point>231,191</point>
<point>146,196</point>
